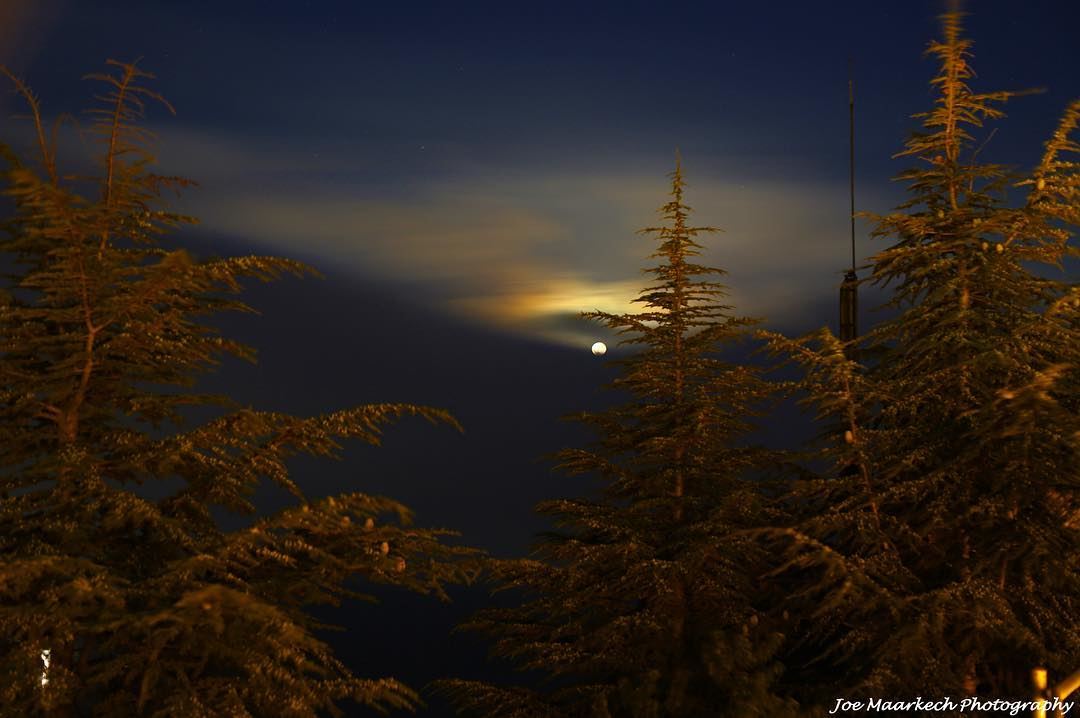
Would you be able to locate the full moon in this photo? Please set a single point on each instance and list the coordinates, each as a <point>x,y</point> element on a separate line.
<point>599,349</point>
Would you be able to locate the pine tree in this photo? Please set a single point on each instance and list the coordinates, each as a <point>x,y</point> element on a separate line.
<point>641,603</point>
<point>148,607</point>
<point>946,563</point>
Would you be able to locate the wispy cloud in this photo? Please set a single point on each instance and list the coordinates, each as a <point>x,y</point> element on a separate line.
<point>524,252</point>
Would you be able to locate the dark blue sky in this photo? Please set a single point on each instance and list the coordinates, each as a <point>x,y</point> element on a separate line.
<point>470,176</point>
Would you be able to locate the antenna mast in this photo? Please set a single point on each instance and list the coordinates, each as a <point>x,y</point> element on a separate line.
<point>849,289</point>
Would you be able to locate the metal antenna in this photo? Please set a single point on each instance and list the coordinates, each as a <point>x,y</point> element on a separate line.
<point>849,289</point>
<point>851,155</point>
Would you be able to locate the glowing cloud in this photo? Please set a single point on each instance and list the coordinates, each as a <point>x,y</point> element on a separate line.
<point>526,252</point>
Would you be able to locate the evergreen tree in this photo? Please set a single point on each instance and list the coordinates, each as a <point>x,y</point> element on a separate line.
<point>641,603</point>
<point>148,607</point>
<point>945,562</point>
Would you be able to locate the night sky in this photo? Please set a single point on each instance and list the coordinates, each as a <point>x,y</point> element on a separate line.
<point>470,176</point>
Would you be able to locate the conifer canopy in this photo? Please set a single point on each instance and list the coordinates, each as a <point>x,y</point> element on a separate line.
<point>937,554</point>
<point>640,604</point>
<point>147,606</point>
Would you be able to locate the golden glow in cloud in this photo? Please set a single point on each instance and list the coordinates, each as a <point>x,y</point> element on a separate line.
<point>541,309</point>
<point>527,254</point>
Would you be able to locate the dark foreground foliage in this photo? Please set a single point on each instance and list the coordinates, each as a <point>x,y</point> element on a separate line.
<point>940,554</point>
<point>147,607</point>
<point>643,603</point>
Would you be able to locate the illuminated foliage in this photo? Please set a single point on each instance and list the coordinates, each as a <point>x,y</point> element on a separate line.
<point>939,556</point>
<point>147,606</point>
<point>641,603</point>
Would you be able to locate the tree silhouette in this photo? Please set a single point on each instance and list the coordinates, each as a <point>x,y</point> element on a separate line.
<point>947,562</point>
<point>148,607</point>
<point>641,604</point>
